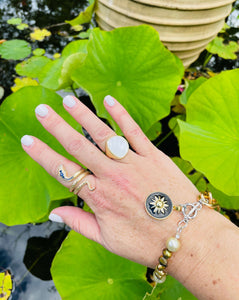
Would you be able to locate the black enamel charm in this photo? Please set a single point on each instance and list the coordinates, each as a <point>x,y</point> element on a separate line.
<point>158,205</point>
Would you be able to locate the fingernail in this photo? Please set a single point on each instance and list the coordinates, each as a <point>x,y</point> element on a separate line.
<point>27,140</point>
<point>41,110</point>
<point>69,101</point>
<point>110,100</point>
<point>55,218</point>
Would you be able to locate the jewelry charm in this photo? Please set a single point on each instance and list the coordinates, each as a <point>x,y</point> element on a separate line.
<point>158,205</point>
<point>117,147</point>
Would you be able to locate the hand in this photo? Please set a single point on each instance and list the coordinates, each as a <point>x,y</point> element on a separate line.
<point>120,222</point>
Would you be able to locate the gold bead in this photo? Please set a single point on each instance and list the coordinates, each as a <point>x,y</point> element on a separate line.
<point>160,267</point>
<point>166,253</point>
<point>158,279</point>
<point>163,261</point>
<point>160,273</point>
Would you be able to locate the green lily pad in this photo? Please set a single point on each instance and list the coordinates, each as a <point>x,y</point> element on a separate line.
<point>70,64</point>
<point>191,86</point>
<point>83,269</point>
<point>22,26</point>
<point>132,65</point>
<point>32,67</point>
<point>38,52</point>
<point>14,21</point>
<point>210,137</point>
<point>24,185</point>
<point>84,16</point>
<point>51,75</point>
<point>15,49</point>
<point>224,50</point>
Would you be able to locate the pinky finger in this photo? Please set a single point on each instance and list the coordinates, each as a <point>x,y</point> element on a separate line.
<point>79,220</point>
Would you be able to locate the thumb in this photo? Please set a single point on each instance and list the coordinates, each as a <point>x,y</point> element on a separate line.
<point>79,220</point>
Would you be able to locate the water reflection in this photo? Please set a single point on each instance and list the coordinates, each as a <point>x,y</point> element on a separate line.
<point>32,244</point>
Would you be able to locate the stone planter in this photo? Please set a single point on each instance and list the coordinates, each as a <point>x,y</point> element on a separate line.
<point>184,26</point>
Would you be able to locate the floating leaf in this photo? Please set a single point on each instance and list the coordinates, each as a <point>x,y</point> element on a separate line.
<point>224,50</point>
<point>84,16</point>
<point>15,49</point>
<point>32,67</point>
<point>26,186</point>
<point>22,82</point>
<point>39,34</point>
<point>77,27</point>
<point>22,26</point>
<point>132,65</point>
<point>210,137</point>
<point>14,21</point>
<point>38,52</point>
<point>83,269</point>
<point>50,75</point>
<point>56,55</point>
<point>5,285</point>
<point>75,47</point>
<point>85,34</point>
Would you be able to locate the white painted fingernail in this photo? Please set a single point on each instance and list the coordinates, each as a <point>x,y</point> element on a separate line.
<point>41,110</point>
<point>69,101</point>
<point>55,218</point>
<point>27,140</point>
<point>110,100</point>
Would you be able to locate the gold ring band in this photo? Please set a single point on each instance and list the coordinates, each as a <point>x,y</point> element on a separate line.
<point>73,187</point>
<point>76,178</point>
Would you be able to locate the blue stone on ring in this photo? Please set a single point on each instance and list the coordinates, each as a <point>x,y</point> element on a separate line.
<point>158,205</point>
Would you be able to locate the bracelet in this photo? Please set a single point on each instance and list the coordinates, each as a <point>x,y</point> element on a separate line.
<point>159,206</point>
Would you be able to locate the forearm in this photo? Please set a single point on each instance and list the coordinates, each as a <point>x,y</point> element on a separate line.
<point>208,262</point>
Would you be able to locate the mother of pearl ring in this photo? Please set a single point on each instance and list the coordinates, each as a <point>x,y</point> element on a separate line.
<point>116,147</point>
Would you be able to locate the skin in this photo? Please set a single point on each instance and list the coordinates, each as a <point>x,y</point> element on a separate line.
<point>207,262</point>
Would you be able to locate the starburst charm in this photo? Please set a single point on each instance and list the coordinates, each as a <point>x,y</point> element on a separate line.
<point>158,205</point>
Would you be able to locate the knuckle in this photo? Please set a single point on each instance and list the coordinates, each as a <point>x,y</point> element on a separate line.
<point>102,135</point>
<point>135,131</point>
<point>74,146</point>
<point>52,123</point>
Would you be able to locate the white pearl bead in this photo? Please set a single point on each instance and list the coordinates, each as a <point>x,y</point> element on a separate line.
<point>173,244</point>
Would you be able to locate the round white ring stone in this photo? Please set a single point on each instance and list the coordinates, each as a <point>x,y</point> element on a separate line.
<point>117,147</point>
